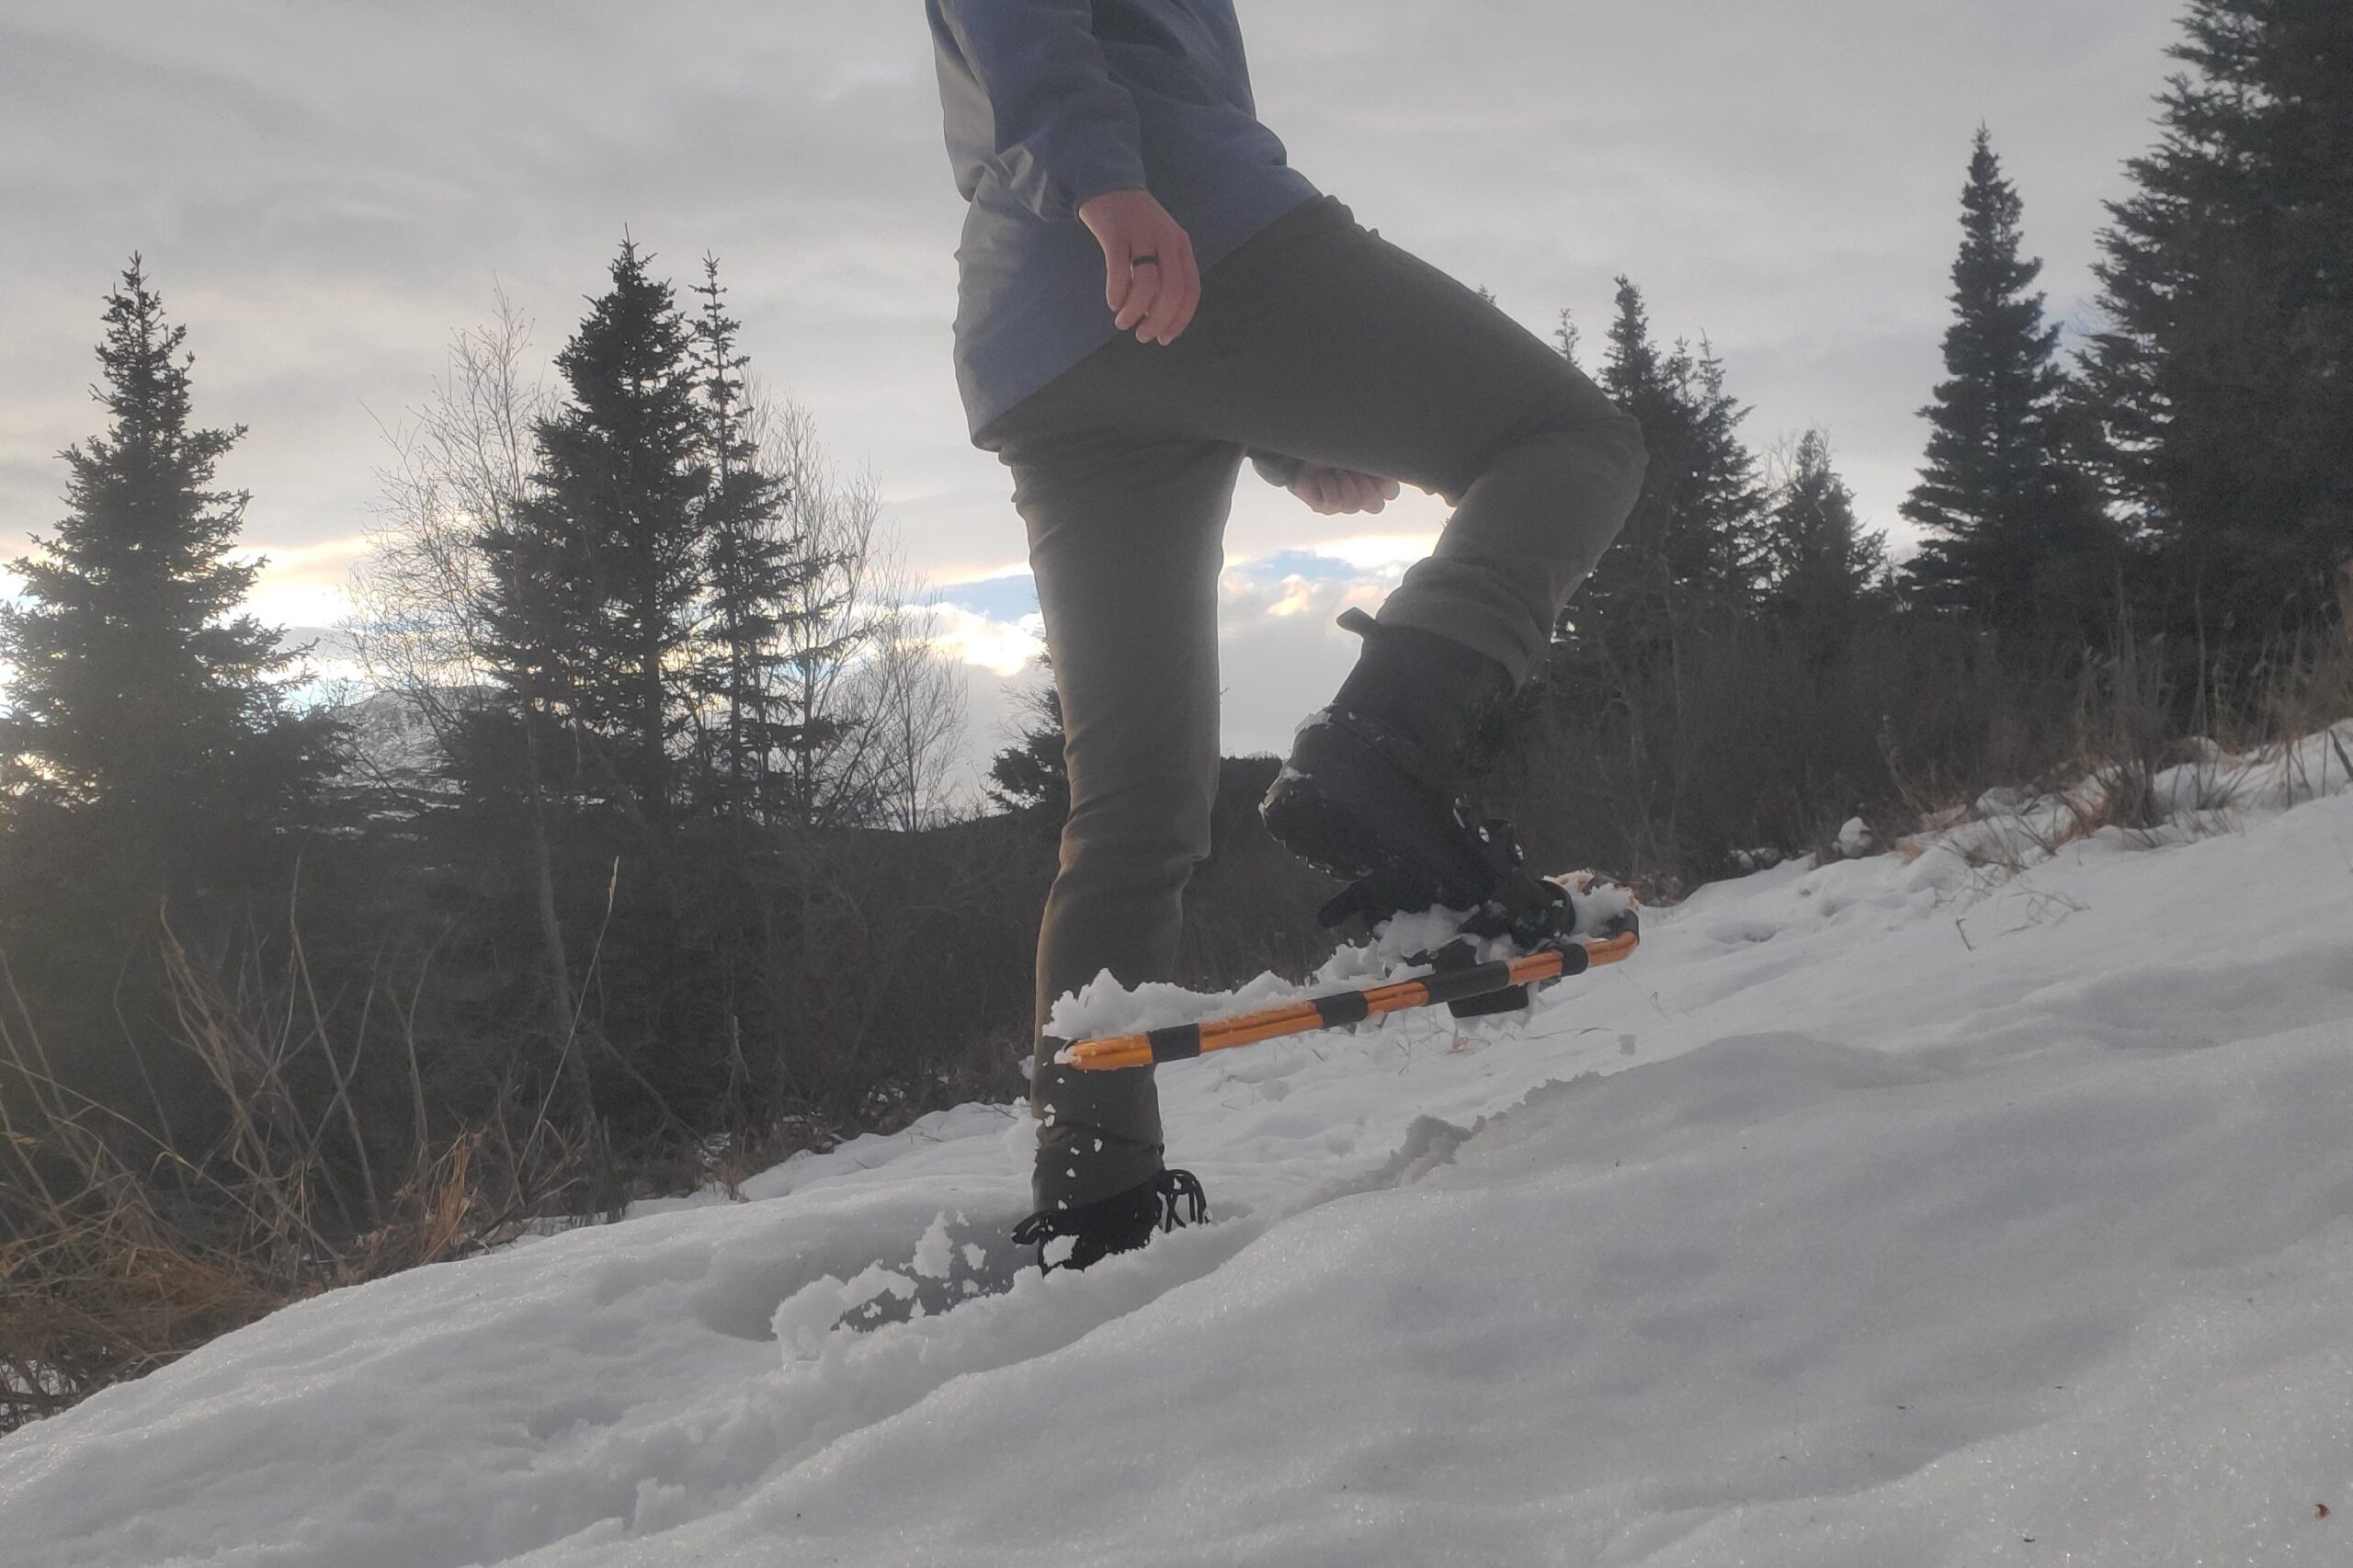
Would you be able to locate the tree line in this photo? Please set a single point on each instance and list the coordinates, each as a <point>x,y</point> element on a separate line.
<point>2189,466</point>
<point>2155,517</point>
<point>614,838</point>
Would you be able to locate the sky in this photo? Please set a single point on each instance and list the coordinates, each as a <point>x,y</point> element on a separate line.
<point>325,191</point>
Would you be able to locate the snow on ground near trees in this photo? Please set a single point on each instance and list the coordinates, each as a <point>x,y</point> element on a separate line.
<point>1895,1212</point>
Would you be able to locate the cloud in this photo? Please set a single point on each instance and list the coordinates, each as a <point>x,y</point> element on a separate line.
<point>1003,647</point>
<point>1009,597</point>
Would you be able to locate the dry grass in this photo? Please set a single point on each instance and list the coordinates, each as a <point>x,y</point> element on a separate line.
<point>121,1251</point>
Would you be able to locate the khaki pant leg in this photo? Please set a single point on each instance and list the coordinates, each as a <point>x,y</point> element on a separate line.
<point>1125,540</point>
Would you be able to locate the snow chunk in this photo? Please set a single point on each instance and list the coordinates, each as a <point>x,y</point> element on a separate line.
<point>809,1314</point>
<point>934,1257</point>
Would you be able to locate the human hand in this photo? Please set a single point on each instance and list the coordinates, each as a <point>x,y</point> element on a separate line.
<point>1335,490</point>
<point>1149,278</point>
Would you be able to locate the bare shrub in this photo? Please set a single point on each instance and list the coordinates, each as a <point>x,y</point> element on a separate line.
<point>1749,745</point>
<point>120,1250</point>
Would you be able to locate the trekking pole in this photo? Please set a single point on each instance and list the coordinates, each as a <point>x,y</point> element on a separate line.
<point>1179,1042</point>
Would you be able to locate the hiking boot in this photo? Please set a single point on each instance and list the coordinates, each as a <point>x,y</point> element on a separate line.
<point>1121,1222</point>
<point>1372,790</point>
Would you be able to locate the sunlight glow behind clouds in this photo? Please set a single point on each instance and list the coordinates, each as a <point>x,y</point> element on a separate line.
<point>1004,648</point>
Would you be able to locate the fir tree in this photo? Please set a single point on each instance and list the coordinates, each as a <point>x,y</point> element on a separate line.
<point>597,576</point>
<point>750,566</point>
<point>1624,608</point>
<point>1691,550</point>
<point>2010,520</point>
<point>2225,377</point>
<point>1029,774</point>
<point>1720,535</point>
<point>1567,339</point>
<point>1825,568</point>
<point>137,687</point>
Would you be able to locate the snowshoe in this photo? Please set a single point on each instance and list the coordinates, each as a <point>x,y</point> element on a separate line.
<point>1477,964</point>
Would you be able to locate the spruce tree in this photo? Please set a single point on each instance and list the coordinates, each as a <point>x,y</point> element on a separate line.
<point>1691,550</point>
<point>1567,339</point>
<point>1720,537</point>
<point>1825,568</point>
<point>1623,610</point>
<point>596,575</point>
<point>750,566</point>
<point>137,688</point>
<point>2011,521</point>
<point>2224,380</point>
<point>1028,776</point>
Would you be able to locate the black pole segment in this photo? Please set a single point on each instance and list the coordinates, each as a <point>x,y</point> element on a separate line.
<point>1476,981</point>
<point>1347,1007</point>
<point>1177,1042</point>
<point>1510,999</point>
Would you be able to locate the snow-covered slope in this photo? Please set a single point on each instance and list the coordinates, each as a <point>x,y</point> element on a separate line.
<point>1896,1212</point>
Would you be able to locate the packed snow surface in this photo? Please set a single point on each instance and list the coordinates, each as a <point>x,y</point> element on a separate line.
<point>1985,1202</point>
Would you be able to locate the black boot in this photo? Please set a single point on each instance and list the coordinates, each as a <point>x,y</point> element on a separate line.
<point>1372,791</point>
<point>1121,1222</point>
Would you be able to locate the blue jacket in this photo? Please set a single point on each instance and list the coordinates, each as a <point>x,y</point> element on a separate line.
<point>1049,102</point>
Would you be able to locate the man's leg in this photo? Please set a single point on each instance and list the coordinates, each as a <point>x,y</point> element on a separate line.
<point>1126,533</point>
<point>1320,340</point>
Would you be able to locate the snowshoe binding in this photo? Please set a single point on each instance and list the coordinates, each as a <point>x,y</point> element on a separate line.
<point>1121,1222</point>
<point>1372,791</point>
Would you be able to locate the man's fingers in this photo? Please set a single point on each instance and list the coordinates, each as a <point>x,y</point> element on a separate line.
<point>1332,490</point>
<point>1179,288</point>
<point>1144,290</point>
<point>1168,298</point>
<point>1190,298</point>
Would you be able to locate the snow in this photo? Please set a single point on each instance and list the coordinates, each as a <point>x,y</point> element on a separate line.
<point>1985,1202</point>
<point>1855,839</point>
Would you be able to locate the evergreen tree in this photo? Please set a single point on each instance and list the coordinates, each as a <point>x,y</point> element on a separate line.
<point>597,576</point>
<point>2014,527</point>
<point>1623,608</point>
<point>1566,338</point>
<point>1030,775</point>
<point>2225,377</point>
<point>138,689</point>
<point>750,566</point>
<point>1692,549</point>
<point>1825,568</point>
<point>1720,537</point>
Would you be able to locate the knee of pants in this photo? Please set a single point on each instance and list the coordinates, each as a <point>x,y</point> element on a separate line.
<point>1601,455</point>
<point>1144,837</point>
<point>1623,434</point>
<point>1596,427</point>
<point>1573,426</point>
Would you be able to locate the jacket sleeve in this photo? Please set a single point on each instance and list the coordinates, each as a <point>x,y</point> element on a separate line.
<point>1064,129</point>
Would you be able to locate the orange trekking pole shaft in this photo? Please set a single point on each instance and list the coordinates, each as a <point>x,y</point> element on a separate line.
<point>1180,1042</point>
